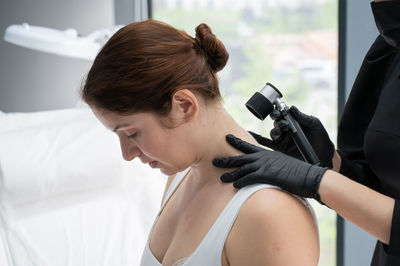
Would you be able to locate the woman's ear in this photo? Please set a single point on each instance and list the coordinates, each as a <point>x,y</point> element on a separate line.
<point>184,106</point>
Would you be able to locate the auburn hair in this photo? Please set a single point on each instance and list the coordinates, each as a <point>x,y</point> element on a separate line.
<point>144,63</point>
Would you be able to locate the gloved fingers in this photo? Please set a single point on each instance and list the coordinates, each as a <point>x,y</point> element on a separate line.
<point>238,173</point>
<point>275,115</point>
<point>249,179</point>
<point>303,119</point>
<point>242,145</point>
<point>234,161</point>
<point>275,133</point>
<point>282,124</point>
<point>263,140</point>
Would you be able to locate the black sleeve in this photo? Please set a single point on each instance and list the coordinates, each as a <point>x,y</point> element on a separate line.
<point>387,19</point>
<point>354,169</point>
<point>360,109</point>
<point>393,249</point>
<point>362,101</point>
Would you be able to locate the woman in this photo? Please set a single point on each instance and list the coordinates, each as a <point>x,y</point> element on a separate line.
<point>156,88</point>
<point>366,190</point>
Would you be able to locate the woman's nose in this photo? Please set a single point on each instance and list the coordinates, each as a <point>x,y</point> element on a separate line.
<point>129,150</point>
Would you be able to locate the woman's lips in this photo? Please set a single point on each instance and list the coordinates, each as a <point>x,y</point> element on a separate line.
<point>153,164</point>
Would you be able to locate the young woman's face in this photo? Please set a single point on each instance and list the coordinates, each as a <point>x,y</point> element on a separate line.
<point>142,135</point>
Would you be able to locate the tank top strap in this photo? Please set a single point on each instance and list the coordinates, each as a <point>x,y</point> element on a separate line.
<point>148,258</point>
<point>225,221</point>
<point>216,236</point>
<point>174,184</point>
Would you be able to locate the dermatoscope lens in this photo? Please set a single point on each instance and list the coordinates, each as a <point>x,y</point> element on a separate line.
<point>262,103</point>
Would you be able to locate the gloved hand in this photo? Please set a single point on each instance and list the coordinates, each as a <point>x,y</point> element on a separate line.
<point>259,165</point>
<point>312,128</point>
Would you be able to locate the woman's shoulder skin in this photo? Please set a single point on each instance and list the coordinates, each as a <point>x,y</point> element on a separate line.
<point>273,228</point>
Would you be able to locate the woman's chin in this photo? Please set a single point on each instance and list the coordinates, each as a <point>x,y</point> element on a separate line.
<point>167,172</point>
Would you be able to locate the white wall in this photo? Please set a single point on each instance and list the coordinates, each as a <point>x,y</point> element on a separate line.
<point>31,80</point>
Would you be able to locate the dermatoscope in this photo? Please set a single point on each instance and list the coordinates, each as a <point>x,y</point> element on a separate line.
<point>262,103</point>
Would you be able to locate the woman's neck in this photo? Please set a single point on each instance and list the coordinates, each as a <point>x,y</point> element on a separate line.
<point>216,123</point>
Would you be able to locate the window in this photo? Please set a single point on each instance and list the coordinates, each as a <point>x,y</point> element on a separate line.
<point>291,44</point>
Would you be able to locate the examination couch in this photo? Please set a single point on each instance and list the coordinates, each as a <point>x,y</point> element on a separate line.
<point>67,198</point>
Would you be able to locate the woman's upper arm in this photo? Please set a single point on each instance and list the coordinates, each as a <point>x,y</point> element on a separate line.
<point>273,228</point>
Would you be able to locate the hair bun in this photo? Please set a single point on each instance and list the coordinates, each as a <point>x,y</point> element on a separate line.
<point>214,49</point>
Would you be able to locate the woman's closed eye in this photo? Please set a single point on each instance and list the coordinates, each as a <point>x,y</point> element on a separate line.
<point>134,135</point>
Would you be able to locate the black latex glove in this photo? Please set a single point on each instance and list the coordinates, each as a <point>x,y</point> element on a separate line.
<point>312,128</point>
<point>259,165</point>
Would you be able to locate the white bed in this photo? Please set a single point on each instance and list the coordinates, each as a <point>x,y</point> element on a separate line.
<point>67,198</point>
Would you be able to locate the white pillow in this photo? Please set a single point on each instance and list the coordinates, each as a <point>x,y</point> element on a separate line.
<point>20,121</point>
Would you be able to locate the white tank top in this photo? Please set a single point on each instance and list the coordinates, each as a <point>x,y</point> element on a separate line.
<point>209,251</point>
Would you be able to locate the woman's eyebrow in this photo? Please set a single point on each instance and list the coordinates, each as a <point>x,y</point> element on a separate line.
<point>119,126</point>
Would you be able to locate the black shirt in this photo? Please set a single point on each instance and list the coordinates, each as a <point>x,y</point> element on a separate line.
<point>369,130</point>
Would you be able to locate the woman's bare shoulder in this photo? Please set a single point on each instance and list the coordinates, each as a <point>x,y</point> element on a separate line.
<point>269,201</point>
<point>274,228</point>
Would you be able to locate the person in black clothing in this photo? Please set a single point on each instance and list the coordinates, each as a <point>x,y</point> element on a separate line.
<point>361,180</point>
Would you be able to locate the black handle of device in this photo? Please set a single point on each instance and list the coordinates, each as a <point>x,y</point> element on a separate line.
<point>300,140</point>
